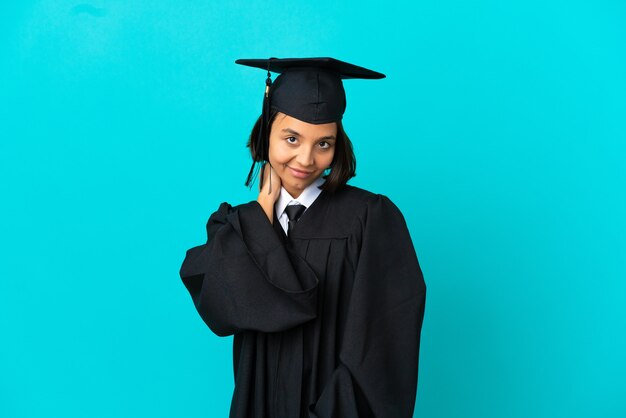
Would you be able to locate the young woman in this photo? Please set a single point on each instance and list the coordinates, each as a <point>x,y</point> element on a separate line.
<point>317,280</point>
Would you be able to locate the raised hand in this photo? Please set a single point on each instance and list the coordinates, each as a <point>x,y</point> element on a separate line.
<point>268,197</point>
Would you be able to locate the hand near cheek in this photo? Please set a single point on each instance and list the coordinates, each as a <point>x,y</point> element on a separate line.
<point>266,197</point>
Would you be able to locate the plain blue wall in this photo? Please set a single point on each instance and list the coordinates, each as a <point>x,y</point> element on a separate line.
<point>499,132</point>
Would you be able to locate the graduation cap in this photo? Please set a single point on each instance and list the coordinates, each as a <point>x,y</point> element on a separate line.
<point>308,89</point>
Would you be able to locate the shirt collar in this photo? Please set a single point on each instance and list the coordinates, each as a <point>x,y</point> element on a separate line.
<point>306,198</point>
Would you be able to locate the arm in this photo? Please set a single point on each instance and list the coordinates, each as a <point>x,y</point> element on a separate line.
<point>243,279</point>
<point>378,361</point>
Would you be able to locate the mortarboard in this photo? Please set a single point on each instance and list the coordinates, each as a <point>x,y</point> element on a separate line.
<point>308,89</point>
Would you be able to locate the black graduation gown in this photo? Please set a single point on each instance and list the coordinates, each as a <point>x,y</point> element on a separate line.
<point>325,326</point>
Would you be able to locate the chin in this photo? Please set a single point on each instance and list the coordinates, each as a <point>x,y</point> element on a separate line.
<point>298,185</point>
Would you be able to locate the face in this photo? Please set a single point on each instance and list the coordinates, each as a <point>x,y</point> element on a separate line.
<point>300,152</point>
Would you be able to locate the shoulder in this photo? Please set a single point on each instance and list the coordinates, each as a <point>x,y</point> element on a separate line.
<point>354,206</point>
<point>226,208</point>
<point>227,213</point>
<point>378,220</point>
<point>353,194</point>
<point>358,198</point>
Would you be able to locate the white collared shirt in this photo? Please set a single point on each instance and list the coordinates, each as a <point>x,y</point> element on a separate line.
<point>306,198</point>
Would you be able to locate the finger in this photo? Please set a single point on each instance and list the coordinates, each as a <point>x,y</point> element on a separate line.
<point>263,176</point>
<point>270,177</point>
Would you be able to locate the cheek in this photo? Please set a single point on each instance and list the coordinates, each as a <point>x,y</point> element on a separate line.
<point>278,154</point>
<point>326,159</point>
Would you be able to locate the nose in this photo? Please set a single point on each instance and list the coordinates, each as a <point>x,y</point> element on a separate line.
<point>305,157</point>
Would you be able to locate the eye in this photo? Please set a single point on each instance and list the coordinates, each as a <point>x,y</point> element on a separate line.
<point>291,139</point>
<point>324,144</point>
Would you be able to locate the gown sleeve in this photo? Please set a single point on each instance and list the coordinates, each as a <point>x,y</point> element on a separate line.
<point>242,278</point>
<point>376,375</point>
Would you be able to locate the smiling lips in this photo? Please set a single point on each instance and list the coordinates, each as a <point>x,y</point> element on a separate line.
<point>299,173</point>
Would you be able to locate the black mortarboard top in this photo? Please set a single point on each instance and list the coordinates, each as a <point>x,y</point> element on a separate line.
<point>308,89</point>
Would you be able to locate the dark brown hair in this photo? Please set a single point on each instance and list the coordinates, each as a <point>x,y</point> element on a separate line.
<point>342,168</point>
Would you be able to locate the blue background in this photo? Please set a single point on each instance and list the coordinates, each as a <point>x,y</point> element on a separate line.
<point>499,133</point>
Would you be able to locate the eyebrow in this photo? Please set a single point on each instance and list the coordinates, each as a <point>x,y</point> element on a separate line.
<point>291,131</point>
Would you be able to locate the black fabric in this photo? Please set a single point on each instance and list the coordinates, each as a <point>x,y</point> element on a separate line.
<point>309,95</point>
<point>327,327</point>
<point>309,89</point>
<point>293,213</point>
<point>343,69</point>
